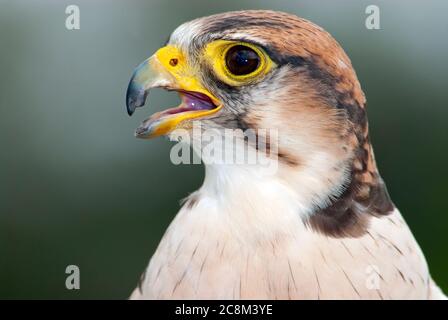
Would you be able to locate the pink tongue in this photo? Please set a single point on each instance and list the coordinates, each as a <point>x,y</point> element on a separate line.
<point>191,102</point>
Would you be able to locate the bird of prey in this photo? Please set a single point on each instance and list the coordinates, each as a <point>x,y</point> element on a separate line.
<point>322,226</point>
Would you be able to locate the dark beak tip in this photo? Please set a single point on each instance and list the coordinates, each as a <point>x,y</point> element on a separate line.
<point>135,97</point>
<point>130,105</point>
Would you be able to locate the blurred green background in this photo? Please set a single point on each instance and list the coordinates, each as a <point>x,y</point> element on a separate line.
<point>77,188</point>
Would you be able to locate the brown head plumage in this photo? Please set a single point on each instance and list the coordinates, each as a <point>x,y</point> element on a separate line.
<point>307,89</point>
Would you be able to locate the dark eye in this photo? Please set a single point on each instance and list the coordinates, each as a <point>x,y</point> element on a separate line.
<point>242,60</point>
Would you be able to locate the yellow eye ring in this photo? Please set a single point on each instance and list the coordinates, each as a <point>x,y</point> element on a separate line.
<point>237,63</point>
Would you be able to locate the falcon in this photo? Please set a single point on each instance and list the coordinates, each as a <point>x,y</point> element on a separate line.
<point>322,226</point>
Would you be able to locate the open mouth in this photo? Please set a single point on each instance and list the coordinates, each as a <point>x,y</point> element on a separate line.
<point>191,101</point>
<point>197,102</point>
<point>194,105</point>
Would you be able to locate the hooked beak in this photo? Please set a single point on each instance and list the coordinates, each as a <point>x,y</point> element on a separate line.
<point>197,102</point>
<point>149,74</point>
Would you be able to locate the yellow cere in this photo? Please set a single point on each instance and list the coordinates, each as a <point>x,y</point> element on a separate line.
<point>215,53</point>
<point>174,61</point>
<point>185,74</point>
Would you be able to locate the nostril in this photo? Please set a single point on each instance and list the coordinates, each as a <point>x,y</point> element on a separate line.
<point>174,62</point>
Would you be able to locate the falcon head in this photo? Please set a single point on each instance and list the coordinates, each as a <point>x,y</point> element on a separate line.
<point>255,69</point>
<point>264,69</point>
